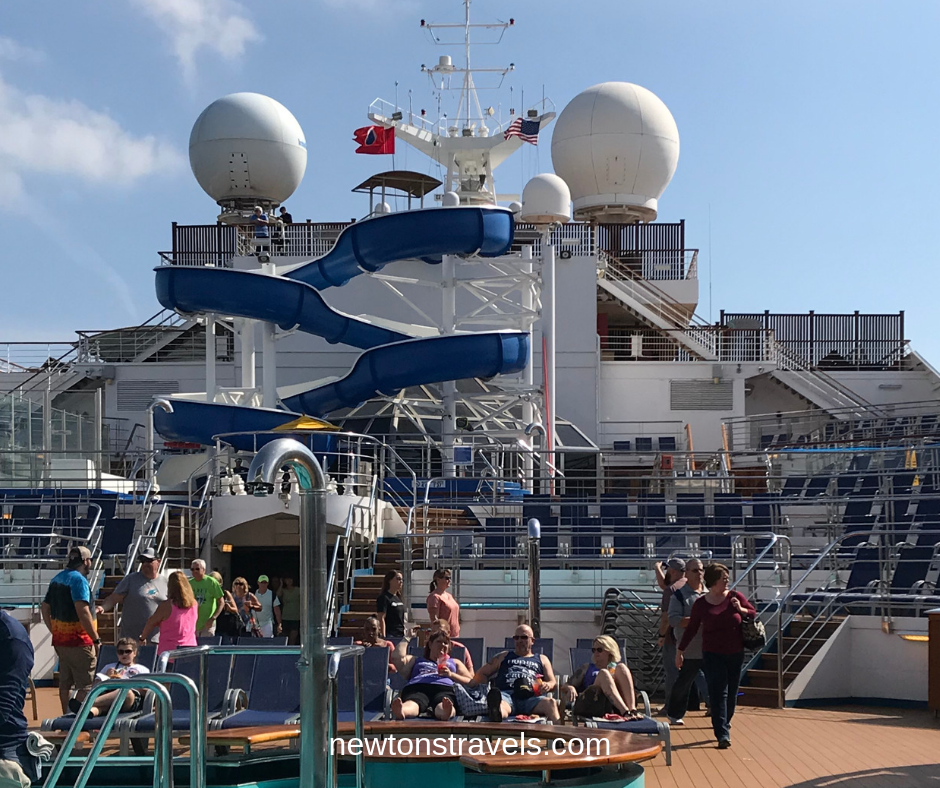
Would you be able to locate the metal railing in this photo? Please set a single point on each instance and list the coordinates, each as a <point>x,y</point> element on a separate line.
<point>728,345</point>
<point>216,245</point>
<point>907,423</point>
<point>163,732</point>
<point>202,653</point>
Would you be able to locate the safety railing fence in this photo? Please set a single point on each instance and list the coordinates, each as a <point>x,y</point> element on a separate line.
<point>36,543</point>
<point>906,423</point>
<point>728,345</point>
<point>356,464</point>
<point>72,469</point>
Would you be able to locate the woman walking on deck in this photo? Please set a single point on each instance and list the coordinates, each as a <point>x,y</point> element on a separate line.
<point>720,614</point>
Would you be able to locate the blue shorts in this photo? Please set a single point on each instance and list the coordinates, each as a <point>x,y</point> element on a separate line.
<point>526,706</point>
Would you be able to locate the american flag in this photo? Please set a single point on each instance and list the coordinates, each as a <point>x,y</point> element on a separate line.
<point>527,130</point>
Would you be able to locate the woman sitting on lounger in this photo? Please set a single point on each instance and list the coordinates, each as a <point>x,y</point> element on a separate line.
<point>604,685</point>
<point>430,679</point>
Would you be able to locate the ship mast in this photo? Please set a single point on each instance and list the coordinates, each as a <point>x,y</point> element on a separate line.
<point>466,146</point>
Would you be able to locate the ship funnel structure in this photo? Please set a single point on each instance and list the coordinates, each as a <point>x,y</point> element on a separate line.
<point>617,147</point>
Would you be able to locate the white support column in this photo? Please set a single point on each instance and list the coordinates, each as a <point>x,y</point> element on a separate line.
<point>548,334</point>
<point>269,354</point>
<point>246,334</point>
<point>210,358</point>
<point>448,326</point>
<point>528,408</point>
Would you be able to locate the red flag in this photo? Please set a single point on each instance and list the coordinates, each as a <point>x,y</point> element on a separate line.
<point>375,139</point>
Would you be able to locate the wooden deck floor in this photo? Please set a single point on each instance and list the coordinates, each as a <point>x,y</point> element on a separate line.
<point>849,747</point>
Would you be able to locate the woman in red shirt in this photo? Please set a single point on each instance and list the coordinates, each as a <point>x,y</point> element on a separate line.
<point>441,603</point>
<point>719,613</point>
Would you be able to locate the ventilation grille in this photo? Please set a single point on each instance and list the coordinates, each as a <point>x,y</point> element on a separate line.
<point>135,395</point>
<point>701,395</point>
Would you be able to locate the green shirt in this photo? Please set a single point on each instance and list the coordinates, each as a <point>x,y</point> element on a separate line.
<point>208,592</point>
<point>290,604</point>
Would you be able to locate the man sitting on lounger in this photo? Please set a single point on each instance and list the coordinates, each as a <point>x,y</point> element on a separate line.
<point>522,680</point>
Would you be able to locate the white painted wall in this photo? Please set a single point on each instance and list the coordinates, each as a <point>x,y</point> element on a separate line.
<point>861,661</point>
<point>640,391</point>
<point>909,386</point>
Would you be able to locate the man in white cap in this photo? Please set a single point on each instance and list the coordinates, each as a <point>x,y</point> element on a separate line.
<point>138,594</point>
<point>269,617</point>
<point>67,614</point>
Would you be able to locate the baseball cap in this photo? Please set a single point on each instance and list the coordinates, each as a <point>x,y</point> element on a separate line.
<point>264,579</point>
<point>147,554</point>
<point>676,563</point>
<point>79,554</point>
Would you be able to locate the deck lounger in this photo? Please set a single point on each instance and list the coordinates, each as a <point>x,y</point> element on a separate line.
<point>217,677</point>
<point>274,694</point>
<point>376,695</point>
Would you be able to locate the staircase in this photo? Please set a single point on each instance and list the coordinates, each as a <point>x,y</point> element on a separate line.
<point>366,589</point>
<point>107,622</point>
<point>819,388</point>
<point>182,536</point>
<point>760,688</point>
<point>653,306</point>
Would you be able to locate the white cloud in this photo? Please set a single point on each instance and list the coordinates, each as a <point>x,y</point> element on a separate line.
<point>44,135</point>
<point>220,26</point>
<point>12,50</point>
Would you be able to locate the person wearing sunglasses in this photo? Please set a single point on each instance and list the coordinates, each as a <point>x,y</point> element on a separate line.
<point>680,612</point>
<point>125,668</point>
<point>139,594</point>
<point>520,680</point>
<point>604,685</point>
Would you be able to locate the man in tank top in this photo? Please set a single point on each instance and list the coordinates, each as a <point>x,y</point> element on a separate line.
<point>520,680</point>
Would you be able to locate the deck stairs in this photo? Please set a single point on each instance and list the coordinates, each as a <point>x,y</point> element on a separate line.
<point>647,302</point>
<point>120,345</point>
<point>818,388</point>
<point>367,587</point>
<point>759,686</point>
<point>655,307</point>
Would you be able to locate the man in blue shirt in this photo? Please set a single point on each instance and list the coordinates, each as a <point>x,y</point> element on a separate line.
<point>69,616</point>
<point>260,220</point>
<point>17,767</point>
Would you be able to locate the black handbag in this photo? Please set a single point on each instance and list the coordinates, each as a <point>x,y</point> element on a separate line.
<point>753,633</point>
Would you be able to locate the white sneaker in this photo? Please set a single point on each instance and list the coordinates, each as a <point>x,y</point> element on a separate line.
<point>679,721</point>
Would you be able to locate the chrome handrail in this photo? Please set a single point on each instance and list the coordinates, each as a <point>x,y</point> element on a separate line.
<point>163,739</point>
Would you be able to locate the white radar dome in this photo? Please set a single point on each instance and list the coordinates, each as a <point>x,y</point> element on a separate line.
<point>545,199</point>
<point>247,148</point>
<point>617,146</point>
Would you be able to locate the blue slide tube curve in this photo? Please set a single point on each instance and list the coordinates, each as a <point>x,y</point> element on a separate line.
<point>286,302</point>
<point>390,368</point>
<point>426,234</point>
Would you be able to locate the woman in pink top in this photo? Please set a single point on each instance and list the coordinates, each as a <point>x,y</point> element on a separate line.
<point>441,603</point>
<point>176,617</point>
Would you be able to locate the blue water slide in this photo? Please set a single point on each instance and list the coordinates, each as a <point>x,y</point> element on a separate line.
<point>193,421</point>
<point>426,234</point>
<point>286,302</point>
<point>390,368</point>
<point>391,360</point>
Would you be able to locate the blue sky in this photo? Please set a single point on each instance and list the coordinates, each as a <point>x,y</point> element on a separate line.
<point>807,129</point>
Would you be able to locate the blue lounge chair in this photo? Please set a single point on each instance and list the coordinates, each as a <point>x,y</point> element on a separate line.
<point>376,695</point>
<point>274,694</point>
